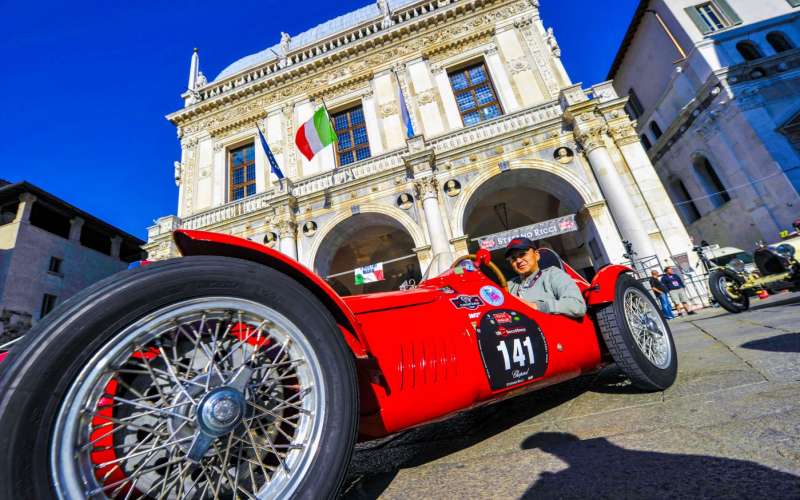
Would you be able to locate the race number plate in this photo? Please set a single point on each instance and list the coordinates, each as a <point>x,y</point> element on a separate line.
<point>512,347</point>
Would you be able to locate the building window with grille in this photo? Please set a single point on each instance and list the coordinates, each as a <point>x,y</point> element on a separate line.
<point>749,51</point>
<point>646,142</point>
<point>655,129</point>
<point>684,202</point>
<point>634,105</point>
<point>55,265</point>
<point>351,130</point>
<point>48,303</point>
<point>779,42</point>
<point>713,16</point>
<point>712,184</point>
<point>242,168</point>
<point>475,94</point>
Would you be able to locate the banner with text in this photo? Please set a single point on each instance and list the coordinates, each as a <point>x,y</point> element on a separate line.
<point>538,231</point>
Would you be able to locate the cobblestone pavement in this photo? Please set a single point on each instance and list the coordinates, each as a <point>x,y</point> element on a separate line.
<point>728,428</point>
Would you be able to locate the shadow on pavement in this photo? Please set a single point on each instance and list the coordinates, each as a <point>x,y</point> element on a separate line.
<point>375,464</point>
<point>792,300</point>
<point>597,468</point>
<point>788,342</point>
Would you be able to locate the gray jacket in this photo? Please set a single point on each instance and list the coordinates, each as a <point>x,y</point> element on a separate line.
<point>553,291</point>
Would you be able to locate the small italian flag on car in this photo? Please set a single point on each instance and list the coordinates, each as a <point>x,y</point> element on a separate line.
<point>369,274</point>
<point>315,134</point>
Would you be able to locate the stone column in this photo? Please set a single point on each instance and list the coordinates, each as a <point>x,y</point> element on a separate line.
<point>287,231</point>
<point>26,201</point>
<point>655,196</point>
<point>75,227</point>
<point>427,191</point>
<point>613,187</point>
<point>116,244</point>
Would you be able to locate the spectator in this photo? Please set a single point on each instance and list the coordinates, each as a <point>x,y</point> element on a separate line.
<point>677,290</point>
<point>660,291</point>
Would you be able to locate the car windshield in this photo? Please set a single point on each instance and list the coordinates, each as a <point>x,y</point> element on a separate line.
<point>725,259</point>
<point>441,262</point>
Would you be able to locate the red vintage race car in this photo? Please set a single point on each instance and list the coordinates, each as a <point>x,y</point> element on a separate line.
<point>235,372</point>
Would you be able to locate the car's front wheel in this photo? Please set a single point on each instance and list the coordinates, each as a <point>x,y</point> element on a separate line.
<point>638,337</point>
<point>202,377</point>
<point>726,291</point>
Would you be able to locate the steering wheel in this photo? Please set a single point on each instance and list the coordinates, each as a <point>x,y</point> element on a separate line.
<point>491,265</point>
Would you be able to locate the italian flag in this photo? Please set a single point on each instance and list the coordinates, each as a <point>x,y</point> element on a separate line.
<point>369,274</point>
<point>315,134</point>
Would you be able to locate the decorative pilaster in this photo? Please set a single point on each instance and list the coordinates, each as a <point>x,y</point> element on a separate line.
<point>501,80</point>
<point>655,196</point>
<point>75,227</point>
<point>448,97</point>
<point>624,134</point>
<point>287,231</point>
<point>427,190</point>
<point>26,201</point>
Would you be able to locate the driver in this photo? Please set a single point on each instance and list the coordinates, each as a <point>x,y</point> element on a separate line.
<point>549,290</point>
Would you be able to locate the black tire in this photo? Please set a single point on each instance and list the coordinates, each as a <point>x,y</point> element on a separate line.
<point>622,346</point>
<point>719,291</point>
<point>40,370</point>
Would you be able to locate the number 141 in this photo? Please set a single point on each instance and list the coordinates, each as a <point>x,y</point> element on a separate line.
<point>518,354</point>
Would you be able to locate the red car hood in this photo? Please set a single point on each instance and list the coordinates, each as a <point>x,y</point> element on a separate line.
<point>361,304</point>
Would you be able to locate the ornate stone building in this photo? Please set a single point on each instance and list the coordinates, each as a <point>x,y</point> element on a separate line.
<point>714,87</point>
<point>502,139</point>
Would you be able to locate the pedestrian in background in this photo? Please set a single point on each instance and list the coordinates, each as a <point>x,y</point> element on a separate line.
<point>677,290</point>
<point>660,292</point>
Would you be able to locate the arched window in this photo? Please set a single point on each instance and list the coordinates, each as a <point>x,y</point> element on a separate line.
<point>779,41</point>
<point>749,51</point>
<point>646,142</point>
<point>683,202</point>
<point>655,129</point>
<point>717,194</point>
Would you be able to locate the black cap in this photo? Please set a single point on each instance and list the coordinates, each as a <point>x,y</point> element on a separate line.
<point>519,244</point>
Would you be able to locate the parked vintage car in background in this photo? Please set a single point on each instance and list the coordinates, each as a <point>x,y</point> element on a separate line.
<point>776,268</point>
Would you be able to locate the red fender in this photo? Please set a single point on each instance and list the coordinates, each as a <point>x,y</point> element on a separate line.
<point>207,243</point>
<point>603,286</point>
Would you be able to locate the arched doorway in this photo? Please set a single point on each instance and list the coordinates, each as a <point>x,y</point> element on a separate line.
<point>362,240</point>
<point>521,197</point>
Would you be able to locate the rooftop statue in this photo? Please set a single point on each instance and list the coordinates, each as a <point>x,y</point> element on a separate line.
<point>383,6</point>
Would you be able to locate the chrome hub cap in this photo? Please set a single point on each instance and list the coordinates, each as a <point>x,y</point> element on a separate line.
<point>210,398</point>
<point>647,327</point>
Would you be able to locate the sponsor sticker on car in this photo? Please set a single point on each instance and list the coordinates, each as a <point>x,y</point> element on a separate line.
<point>467,302</point>
<point>512,347</point>
<point>492,295</point>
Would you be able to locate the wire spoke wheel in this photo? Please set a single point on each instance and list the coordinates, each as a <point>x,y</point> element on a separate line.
<point>647,328</point>
<point>219,397</point>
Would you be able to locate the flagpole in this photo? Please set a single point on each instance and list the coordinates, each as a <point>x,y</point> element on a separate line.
<point>324,105</point>
<point>264,134</point>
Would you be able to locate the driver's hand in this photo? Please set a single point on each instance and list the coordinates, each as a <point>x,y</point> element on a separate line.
<point>534,306</point>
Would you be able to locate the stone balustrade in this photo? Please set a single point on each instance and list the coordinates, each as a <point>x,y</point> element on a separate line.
<point>501,125</point>
<point>348,173</point>
<point>227,211</point>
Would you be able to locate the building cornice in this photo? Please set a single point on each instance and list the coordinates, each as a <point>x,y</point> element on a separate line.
<point>419,35</point>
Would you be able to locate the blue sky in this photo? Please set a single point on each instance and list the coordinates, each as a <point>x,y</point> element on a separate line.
<point>86,85</point>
